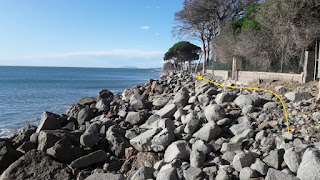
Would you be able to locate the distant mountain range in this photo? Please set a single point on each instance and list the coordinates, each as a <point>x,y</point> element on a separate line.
<point>129,67</point>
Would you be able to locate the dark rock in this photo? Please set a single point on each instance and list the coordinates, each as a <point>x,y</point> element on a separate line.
<point>26,147</point>
<point>7,156</point>
<point>134,118</point>
<point>74,109</point>
<point>84,115</point>
<point>50,121</point>
<point>36,165</point>
<point>22,135</point>
<point>103,105</point>
<point>117,141</point>
<point>106,94</point>
<point>99,156</point>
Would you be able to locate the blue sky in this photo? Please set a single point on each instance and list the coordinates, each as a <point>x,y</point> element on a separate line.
<point>86,33</point>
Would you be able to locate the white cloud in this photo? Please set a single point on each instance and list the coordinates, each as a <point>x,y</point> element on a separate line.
<point>145,27</point>
<point>156,34</point>
<point>125,53</point>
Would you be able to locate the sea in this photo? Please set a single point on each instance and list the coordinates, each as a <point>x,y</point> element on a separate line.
<point>26,92</point>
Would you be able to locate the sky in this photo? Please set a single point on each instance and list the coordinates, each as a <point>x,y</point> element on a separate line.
<point>86,33</point>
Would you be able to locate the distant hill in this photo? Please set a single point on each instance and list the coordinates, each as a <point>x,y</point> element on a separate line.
<point>129,67</point>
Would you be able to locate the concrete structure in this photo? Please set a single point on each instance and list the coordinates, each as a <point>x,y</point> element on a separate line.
<point>309,65</point>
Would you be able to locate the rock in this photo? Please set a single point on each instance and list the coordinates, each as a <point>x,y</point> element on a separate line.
<point>260,167</point>
<point>274,174</point>
<point>170,173</point>
<point>36,165</point>
<point>89,140</point>
<point>292,157</point>
<point>177,150</point>
<point>287,135</point>
<point>106,94</point>
<point>181,99</point>
<point>95,128</point>
<point>244,100</point>
<point>117,141</point>
<point>8,155</point>
<point>280,89</point>
<point>21,135</point>
<point>214,112</point>
<point>50,121</point>
<point>224,97</point>
<point>143,173</point>
<point>224,122</point>
<point>247,134</point>
<point>126,95</point>
<point>65,151</point>
<point>228,156</point>
<point>103,105</point>
<point>248,109</point>
<point>310,165</point>
<point>160,102</point>
<point>199,153</point>
<point>193,173</point>
<point>231,146</point>
<point>275,158</point>
<point>26,147</point>
<point>298,96</point>
<point>84,115</point>
<point>99,156</point>
<point>47,139</point>
<point>247,173</point>
<point>167,111</point>
<point>102,176</point>
<point>191,126</point>
<point>270,105</point>
<point>147,159</point>
<point>34,138</point>
<point>136,102</point>
<point>74,109</point>
<point>154,139</point>
<point>163,123</point>
<point>204,99</point>
<point>242,160</point>
<point>237,129</point>
<point>208,132</point>
<point>134,118</point>
<point>223,175</point>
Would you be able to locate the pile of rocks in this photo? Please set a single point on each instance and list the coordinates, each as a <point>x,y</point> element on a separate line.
<point>175,127</point>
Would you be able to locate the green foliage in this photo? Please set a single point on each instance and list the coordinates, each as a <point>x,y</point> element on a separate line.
<point>248,22</point>
<point>183,50</point>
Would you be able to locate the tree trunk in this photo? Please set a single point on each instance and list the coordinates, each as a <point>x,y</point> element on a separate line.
<point>196,70</point>
<point>204,56</point>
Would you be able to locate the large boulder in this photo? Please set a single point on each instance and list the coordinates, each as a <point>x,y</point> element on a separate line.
<point>7,156</point>
<point>156,139</point>
<point>224,97</point>
<point>275,158</point>
<point>99,156</point>
<point>292,157</point>
<point>137,102</point>
<point>84,115</point>
<point>298,96</point>
<point>50,121</point>
<point>274,174</point>
<point>208,132</point>
<point>244,100</point>
<point>74,109</point>
<point>117,141</point>
<point>134,118</point>
<point>36,165</point>
<point>105,94</point>
<point>167,111</point>
<point>21,135</point>
<point>199,153</point>
<point>214,112</point>
<point>310,166</point>
<point>242,160</point>
<point>177,150</point>
<point>181,98</point>
<point>103,105</point>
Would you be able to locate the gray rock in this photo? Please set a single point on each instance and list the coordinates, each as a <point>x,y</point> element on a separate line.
<point>248,109</point>
<point>167,111</point>
<point>94,128</point>
<point>228,156</point>
<point>298,96</point>
<point>170,173</point>
<point>136,102</point>
<point>163,123</point>
<point>143,173</point>
<point>292,157</point>
<point>84,115</point>
<point>65,151</point>
<point>208,132</point>
<point>177,150</point>
<point>260,167</point>
<point>242,160</point>
<point>224,97</point>
<point>260,135</point>
<point>199,153</point>
<point>181,99</point>
<point>237,129</point>
<point>117,141</point>
<point>247,134</point>
<point>8,155</point>
<point>270,105</point>
<point>103,105</point>
<point>36,165</point>
<point>224,122</point>
<point>310,165</point>
<point>287,135</point>
<point>26,147</point>
<point>193,173</point>
<point>160,102</point>
<point>34,138</point>
<point>103,176</point>
<point>275,158</point>
<point>99,156</point>
<point>214,112</point>
<point>89,140</point>
<point>274,174</point>
<point>50,121</point>
<point>204,99</point>
<point>134,118</point>
<point>154,139</point>
<point>191,126</point>
<point>280,89</point>
<point>247,173</point>
<point>223,175</point>
<point>244,100</point>
<point>46,140</point>
<point>231,146</point>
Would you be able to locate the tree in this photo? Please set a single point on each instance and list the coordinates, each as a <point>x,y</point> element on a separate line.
<point>202,20</point>
<point>181,52</point>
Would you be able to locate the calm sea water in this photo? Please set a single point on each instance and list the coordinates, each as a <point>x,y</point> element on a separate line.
<point>25,92</point>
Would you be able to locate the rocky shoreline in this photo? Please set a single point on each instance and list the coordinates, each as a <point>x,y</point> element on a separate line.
<point>174,127</point>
